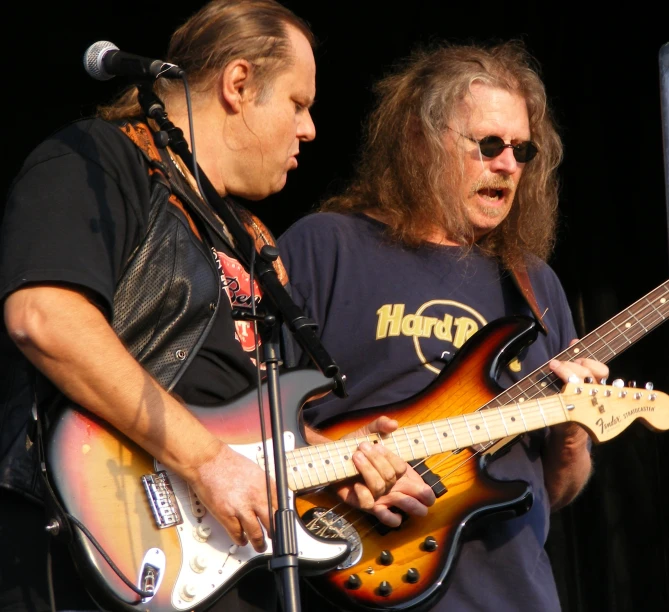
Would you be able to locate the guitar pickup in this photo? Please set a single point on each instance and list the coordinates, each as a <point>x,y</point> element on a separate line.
<point>429,477</point>
<point>162,500</point>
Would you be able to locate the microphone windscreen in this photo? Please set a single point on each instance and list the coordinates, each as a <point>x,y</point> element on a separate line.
<point>93,59</point>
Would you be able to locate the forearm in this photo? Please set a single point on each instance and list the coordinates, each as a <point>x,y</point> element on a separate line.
<point>567,463</point>
<point>70,342</point>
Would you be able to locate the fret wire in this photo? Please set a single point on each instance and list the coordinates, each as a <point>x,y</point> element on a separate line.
<point>464,418</point>
<point>503,421</point>
<point>406,433</point>
<point>436,433</point>
<point>420,431</point>
<point>541,411</point>
<point>485,424</point>
<point>455,439</point>
<point>637,320</point>
<point>323,462</point>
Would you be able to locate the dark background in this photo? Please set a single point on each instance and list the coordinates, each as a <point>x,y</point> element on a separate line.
<point>610,548</point>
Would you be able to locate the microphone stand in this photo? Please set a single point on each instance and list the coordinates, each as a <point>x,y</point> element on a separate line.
<point>284,310</point>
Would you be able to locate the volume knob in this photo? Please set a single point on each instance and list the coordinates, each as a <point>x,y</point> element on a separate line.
<point>429,544</point>
<point>412,576</point>
<point>385,589</point>
<point>386,557</point>
<point>353,582</point>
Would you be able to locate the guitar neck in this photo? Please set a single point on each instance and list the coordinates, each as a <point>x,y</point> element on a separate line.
<point>530,404</point>
<point>322,464</point>
<point>603,344</point>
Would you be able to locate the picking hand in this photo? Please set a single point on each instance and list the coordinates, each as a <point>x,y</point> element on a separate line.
<point>411,494</point>
<point>379,468</point>
<point>233,488</point>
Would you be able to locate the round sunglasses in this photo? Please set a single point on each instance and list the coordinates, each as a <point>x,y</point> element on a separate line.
<point>492,146</point>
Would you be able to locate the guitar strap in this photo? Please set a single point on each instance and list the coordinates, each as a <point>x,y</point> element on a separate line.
<point>522,281</point>
<point>142,136</point>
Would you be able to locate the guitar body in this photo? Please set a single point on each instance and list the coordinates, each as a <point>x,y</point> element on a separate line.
<point>160,536</point>
<point>471,495</point>
<point>98,473</point>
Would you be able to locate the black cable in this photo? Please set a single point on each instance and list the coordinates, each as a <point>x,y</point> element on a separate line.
<point>108,559</point>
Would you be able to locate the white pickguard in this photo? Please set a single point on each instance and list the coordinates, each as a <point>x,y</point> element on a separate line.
<point>209,559</point>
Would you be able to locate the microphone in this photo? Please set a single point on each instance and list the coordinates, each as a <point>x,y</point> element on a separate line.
<point>103,60</point>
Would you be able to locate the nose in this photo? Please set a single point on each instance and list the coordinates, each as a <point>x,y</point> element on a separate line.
<point>504,163</point>
<point>306,130</point>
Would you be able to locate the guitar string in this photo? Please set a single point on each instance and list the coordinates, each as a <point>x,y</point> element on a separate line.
<point>477,453</point>
<point>632,332</point>
<point>638,317</point>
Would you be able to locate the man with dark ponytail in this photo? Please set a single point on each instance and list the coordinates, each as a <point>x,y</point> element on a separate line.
<point>118,282</point>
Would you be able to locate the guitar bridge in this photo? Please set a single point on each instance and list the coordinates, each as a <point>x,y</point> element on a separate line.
<point>162,500</point>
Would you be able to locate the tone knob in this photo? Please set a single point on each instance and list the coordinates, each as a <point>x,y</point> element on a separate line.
<point>412,576</point>
<point>386,557</point>
<point>199,563</point>
<point>430,544</point>
<point>202,532</point>
<point>353,582</point>
<point>188,591</point>
<point>385,589</point>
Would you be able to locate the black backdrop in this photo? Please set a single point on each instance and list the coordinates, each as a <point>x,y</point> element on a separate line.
<point>610,548</point>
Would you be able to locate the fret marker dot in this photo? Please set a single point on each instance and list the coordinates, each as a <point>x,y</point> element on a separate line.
<point>513,418</point>
<point>311,465</point>
<point>521,400</point>
<point>628,325</point>
<point>327,461</point>
<point>543,384</point>
<point>295,469</point>
<point>445,435</point>
<point>663,300</point>
<point>477,427</point>
<point>345,457</point>
<point>577,350</point>
<point>415,441</point>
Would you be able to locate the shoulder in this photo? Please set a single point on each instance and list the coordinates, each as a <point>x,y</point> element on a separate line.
<point>327,228</point>
<point>543,277</point>
<point>93,149</point>
<point>552,298</point>
<point>86,136</point>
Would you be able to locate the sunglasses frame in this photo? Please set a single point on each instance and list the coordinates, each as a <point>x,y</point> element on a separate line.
<point>527,149</point>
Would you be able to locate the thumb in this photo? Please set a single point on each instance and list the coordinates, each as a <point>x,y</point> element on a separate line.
<point>383,424</point>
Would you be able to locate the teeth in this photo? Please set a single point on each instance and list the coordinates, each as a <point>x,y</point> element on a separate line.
<point>490,194</point>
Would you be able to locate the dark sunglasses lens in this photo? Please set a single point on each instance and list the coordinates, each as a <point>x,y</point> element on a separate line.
<point>491,146</point>
<point>525,151</point>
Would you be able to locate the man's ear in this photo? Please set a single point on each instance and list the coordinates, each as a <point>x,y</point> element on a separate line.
<point>236,84</point>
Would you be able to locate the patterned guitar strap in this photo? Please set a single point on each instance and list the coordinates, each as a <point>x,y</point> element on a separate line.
<point>142,136</point>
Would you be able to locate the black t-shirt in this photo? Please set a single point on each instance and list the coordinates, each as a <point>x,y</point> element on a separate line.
<point>74,215</point>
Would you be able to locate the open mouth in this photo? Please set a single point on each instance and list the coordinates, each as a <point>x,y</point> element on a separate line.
<point>491,195</point>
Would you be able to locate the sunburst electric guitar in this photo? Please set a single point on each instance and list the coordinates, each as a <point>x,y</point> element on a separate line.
<point>142,526</point>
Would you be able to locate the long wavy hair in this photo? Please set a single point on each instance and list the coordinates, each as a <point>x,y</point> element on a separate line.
<point>406,174</point>
<point>220,32</point>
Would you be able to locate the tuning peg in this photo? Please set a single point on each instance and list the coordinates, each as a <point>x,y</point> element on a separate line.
<point>618,382</point>
<point>632,384</point>
<point>649,386</point>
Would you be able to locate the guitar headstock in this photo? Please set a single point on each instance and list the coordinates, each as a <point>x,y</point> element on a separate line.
<point>606,410</point>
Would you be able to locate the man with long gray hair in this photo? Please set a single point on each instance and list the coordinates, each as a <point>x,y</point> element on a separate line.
<point>445,230</point>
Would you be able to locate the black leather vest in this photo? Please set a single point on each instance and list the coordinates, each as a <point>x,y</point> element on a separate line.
<point>164,306</point>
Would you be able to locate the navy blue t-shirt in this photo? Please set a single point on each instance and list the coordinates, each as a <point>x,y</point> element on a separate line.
<point>392,318</point>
